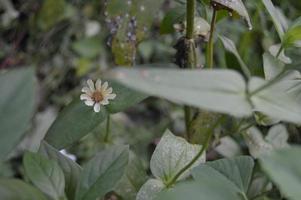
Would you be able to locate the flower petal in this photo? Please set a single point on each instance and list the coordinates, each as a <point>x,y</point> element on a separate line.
<point>111,96</point>
<point>89,103</point>
<point>104,102</point>
<point>85,97</point>
<point>87,91</point>
<point>98,85</point>
<point>105,86</point>
<point>109,90</point>
<point>97,107</point>
<point>91,85</point>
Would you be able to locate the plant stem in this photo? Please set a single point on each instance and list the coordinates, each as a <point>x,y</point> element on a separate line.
<point>210,42</point>
<point>191,58</point>
<point>108,127</point>
<point>199,154</point>
<point>279,51</point>
<point>191,4</point>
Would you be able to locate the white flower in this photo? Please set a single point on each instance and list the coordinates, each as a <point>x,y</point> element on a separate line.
<point>97,94</point>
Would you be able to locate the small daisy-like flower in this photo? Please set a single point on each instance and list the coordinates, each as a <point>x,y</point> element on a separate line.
<point>97,94</point>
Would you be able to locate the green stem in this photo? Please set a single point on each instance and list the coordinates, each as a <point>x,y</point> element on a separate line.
<point>279,51</point>
<point>108,127</point>
<point>191,5</point>
<point>191,59</point>
<point>210,42</point>
<point>199,154</point>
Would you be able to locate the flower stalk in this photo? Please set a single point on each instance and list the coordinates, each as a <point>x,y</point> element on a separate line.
<point>210,42</point>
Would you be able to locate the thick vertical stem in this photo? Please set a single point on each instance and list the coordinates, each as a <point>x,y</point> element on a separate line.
<point>191,54</point>
<point>210,43</point>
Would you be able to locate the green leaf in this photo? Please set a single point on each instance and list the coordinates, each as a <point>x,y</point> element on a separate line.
<point>70,169</point>
<point>236,6</point>
<point>125,98</point>
<point>200,88</point>
<point>17,88</point>
<point>284,169</point>
<point>275,18</point>
<point>278,136</point>
<point>292,36</point>
<point>272,66</point>
<point>175,15</point>
<point>150,189</point>
<point>13,189</point>
<point>275,101</point>
<point>226,179</point>
<point>102,173</point>
<point>73,123</point>
<point>45,175</point>
<point>135,176</point>
<point>171,155</point>
<point>230,46</point>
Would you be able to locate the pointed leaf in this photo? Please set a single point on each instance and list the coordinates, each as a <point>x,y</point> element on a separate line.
<point>101,174</point>
<point>70,169</point>
<point>171,155</point>
<point>17,89</point>
<point>45,175</point>
<point>73,123</point>
<point>11,189</point>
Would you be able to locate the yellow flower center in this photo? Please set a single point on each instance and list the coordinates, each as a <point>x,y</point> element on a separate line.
<point>97,96</point>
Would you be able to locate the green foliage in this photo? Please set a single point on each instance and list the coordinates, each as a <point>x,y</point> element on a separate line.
<point>102,173</point>
<point>45,174</point>
<point>227,179</point>
<point>70,169</point>
<point>17,88</point>
<point>284,169</point>
<point>74,122</point>
<point>16,189</point>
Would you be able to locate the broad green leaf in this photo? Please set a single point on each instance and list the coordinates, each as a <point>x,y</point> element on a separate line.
<point>236,6</point>
<point>73,123</point>
<point>135,176</point>
<point>272,67</point>
<point>201,27</point>
<point>13,189</point>
<point>238,170</point>
<point>230,46</point>
<point>175,15</point>
<point>274,49</point>
<point>45,175</point>
<point>171,155</point>
<point>125,98</point>
<point>200,88</point>
<point>284,169</point>
<point>17,88</point>
<point>102,173</point>
<point>275,17</point>
<point>51,13</point>
<point>6,170</point>
<point>226,179</point>
<point>70,169</point>
<point>150,189</point>
<point>275,101</point>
